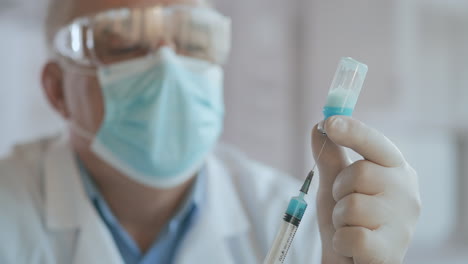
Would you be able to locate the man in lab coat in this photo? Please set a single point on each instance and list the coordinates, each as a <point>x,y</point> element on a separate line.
<point>139,177</point>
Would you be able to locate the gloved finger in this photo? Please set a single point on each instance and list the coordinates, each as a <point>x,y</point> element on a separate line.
<point>363,177</point>
<point>368,142</point>
<point>333,158</point>
<point>361,210</point>
<point>364,245</point>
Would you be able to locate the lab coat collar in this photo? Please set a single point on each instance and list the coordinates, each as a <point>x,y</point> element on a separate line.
<point>223,209</point>
<point>68,208</point>
<point>222,217</point>
<point>62,187</point>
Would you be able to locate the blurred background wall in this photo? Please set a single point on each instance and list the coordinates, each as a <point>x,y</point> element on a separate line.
<point>284,56</point>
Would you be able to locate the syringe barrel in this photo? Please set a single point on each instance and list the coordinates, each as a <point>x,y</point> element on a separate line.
<point>291,220</point>
<point>281,244</point>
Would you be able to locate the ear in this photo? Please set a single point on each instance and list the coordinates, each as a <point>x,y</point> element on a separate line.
<point>53,86</point>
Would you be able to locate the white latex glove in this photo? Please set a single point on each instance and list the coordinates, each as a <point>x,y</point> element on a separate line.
<point>368,209</point>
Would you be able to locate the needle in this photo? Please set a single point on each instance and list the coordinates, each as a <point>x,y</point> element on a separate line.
<point>308,180</point>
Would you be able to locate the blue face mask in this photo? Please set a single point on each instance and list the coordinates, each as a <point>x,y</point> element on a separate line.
<point>163,115</point>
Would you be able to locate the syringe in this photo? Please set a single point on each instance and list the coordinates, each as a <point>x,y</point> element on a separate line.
<point>292,218</point>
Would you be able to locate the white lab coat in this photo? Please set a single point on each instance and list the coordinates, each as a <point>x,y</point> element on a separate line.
<point>46,217</point>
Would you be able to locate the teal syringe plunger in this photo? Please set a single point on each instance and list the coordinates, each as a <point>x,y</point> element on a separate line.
<point>291,220</point>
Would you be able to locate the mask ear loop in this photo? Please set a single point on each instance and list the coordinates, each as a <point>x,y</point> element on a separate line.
<point>80,131</point>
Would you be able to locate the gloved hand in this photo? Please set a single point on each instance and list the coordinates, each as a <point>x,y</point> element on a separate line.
<point>367,210</point>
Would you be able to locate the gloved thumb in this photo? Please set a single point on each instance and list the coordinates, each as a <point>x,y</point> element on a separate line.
<point>332,161</point>
<point>333,158</point>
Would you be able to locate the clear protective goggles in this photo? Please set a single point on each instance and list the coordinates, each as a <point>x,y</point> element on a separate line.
<point>122,34</point>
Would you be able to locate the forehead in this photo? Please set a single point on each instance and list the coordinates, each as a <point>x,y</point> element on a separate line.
<point>89,7</point>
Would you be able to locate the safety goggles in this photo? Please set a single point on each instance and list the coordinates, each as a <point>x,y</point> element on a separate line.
<point>122,34</point>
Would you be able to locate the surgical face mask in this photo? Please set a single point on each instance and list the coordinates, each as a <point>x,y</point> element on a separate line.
<point>163,115</point>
